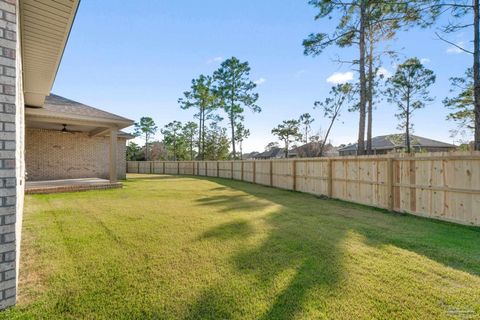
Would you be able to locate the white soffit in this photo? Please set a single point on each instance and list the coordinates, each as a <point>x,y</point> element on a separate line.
<point>45,26</point>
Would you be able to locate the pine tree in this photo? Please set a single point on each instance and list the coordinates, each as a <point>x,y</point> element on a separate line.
<point>458,10</point>
<point>288,131</point>
<point>202,98</point>
<point>189,131</point>
<point>173,140</point>
<point>146,127</point>
<point>235,91</point>
<point>363,24</point>
<point>462,105</point>
<point>408,89</point>
<point>332,107</point>
<point>306,121</point>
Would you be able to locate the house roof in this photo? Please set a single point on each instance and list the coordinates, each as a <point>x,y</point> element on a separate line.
<point>62,108</point>
<point>250,155</point>
<point>392,141</point>
<point>272,153</point>
<point>61,105</point>
<point>313,145</point>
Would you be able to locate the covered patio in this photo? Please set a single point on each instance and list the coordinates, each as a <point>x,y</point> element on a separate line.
<point>69,144</point>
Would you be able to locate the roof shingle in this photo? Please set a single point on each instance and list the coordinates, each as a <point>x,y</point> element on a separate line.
<point>61,105</point>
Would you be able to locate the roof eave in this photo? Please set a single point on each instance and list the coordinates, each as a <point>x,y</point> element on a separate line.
<point>40,66</point>
<point>43,115</point>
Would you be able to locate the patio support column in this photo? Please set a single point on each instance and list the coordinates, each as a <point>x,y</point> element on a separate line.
<point>113,155</point>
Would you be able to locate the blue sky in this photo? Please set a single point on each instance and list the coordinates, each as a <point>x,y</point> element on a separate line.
<point>135,58</point>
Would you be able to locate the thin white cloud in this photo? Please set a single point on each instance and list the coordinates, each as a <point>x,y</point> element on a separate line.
<point>260,81</point>
<point>340,77</point>
<point>454,49</point>
<point>425,60</point>
<point>215,59</point>
<point>384,72</point>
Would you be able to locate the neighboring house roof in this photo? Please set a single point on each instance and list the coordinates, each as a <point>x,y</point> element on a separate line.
<point>312,149</point>
<point>331,152</point>
<point>250,155</point>
<point>300,151</point>
<point>307,147</point>
<point>272,153</point>
<point>393,141</point>
<point>62,108</point>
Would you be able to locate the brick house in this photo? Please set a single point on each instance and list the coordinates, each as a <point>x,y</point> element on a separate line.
<point>33,36</point>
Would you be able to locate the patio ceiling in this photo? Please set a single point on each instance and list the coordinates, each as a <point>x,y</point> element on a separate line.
<point>57,111</point>
<point>92,129</point>
<point>39,118</point>
<point>45,26</point>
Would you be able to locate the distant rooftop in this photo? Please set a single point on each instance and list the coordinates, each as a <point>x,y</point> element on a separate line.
<point>393,141</point>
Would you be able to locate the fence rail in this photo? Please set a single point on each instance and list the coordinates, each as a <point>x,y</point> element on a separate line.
<point>443,186</point>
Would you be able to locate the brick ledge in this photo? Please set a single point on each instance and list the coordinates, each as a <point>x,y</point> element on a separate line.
<point>75,188</point>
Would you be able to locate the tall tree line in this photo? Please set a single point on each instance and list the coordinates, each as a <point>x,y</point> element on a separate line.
<point>229,91</point>
<point>364,25</point>
<point>202,98</point>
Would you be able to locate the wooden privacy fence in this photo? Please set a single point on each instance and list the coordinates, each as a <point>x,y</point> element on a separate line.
<point>443,186</point>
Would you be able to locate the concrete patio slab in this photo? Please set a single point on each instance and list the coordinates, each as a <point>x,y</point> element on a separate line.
<point>69,185</point>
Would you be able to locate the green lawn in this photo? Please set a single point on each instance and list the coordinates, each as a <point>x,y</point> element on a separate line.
<point>170,247</point>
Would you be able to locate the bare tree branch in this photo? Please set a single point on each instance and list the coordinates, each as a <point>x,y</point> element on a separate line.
<point>453,44</point>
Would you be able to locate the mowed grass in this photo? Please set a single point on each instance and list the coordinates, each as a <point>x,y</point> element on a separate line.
<point>167,247</point>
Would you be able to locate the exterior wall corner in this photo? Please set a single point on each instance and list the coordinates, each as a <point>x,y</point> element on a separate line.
<point>11,151</point>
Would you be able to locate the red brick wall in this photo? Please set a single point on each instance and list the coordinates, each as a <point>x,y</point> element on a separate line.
<point>51,155</point>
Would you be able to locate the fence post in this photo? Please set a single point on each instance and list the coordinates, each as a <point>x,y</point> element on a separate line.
<point>218,168</point>
<point>232,170</point>
<point>138,166</point>
<point>390,192</point>
<point>241,173</point>
<point>151,162</point>
<point>329,178</point>
<point>271,173</point>
<point>254,171</point>
<point>294,174</point>
<point>413,186</point>
<point>178,167</point>
<point>163,167</point>
<point>193,168</point>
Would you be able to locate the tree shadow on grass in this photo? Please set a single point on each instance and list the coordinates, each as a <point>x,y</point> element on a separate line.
<point>310,264</point>
<point>293,246</point>
<point>305,235</point>
<point>235,229</point>
<point>233,202</point>
<point>447,243</point>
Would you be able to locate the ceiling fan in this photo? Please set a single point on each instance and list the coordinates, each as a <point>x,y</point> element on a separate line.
<point>65,130</point>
